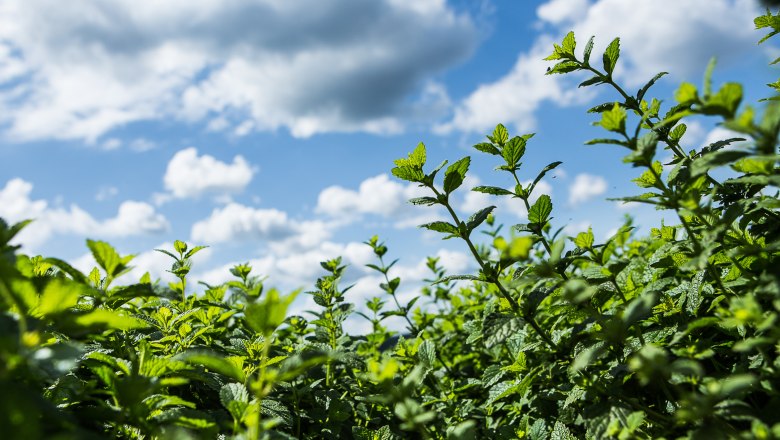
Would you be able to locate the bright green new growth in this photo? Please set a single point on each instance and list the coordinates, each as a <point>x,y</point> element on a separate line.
<point>671,335</point>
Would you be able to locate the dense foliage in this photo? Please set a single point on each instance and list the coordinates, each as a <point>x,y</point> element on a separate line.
<point>674,334</point>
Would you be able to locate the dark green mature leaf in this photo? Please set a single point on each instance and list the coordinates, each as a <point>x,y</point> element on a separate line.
<point>641,93</point>
<point>715,159</point>
<point>494,190</point>
<point>498,327</point>
<point>383,433</point>
<point>426,353</point>
<point>513,151</point>
<point>235,398</point>
<point>455,173</point>
<point>540,210</point>
<point>478,217</point>
<point>428,201</point>
<point>544,171</point>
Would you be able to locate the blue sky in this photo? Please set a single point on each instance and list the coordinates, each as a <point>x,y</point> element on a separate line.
<point>266,129</point>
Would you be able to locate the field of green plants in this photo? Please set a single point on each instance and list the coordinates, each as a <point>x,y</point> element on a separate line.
<point>668,333</point>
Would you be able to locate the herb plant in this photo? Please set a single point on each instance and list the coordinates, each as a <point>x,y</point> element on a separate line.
<point>668,334</point>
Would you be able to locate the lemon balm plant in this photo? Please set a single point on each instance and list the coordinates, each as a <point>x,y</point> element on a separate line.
<point>666,333</point>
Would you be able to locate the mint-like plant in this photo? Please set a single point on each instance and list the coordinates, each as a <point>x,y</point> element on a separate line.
<point>666,333</point>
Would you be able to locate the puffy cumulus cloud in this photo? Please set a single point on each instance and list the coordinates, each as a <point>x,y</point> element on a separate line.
<point>514,98</point>
<point>235,222</point>
<point>701,29</point>
<point>376,195</point>
<point>132,218</point>
<point>586,187</point>
<point>190,175</point>
<point>562,11</point>
<point>79,70</point>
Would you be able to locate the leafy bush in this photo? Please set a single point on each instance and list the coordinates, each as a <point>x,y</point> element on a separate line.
<point>674,334</point>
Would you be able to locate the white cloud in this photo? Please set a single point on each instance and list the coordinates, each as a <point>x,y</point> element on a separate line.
<point>514,98</point>
<point>235,222</point>
<point>586,187</point>
<point>562,11</point>
<point>376,195</point>
<point>81,69</point>
<point>132,218</point>
<point>189,175</point>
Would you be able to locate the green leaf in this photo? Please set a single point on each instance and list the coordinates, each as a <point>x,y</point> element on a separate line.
<point>544,171</point>
<point>641,93</point>
<point>266,315</point>
<point>408,173</point>
<point>426,353</point>
<point>514,150</point>
<point>591,81</point>
<point>614,119</point>
<point>715,159</point>
<point>725,102</point>
<point>494,190</point>
<point>449,278</point>
<point>214,362</point>
<point>584,240</point>
<point>235,398</point>
<point>180,246</point>
<point>383,433</point>
<point>500,135</point>
<point>497,328</point>
<point>59,296</point>
<point>611,56</point>
<point>540,210</point>
<point>109,319</point>
<point>455,173</point>
<point>686,94</point>
<point>428,201</point>
<point>569,44</point>
<point>563,67</point>
<point>105,256</point>
<point>442,227</point>
<point>416,158</point>
<point>587,51</point>
<point>478,217</point>
<point>588,356</point>
<point>194,251</point>
<point>488,148</point>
